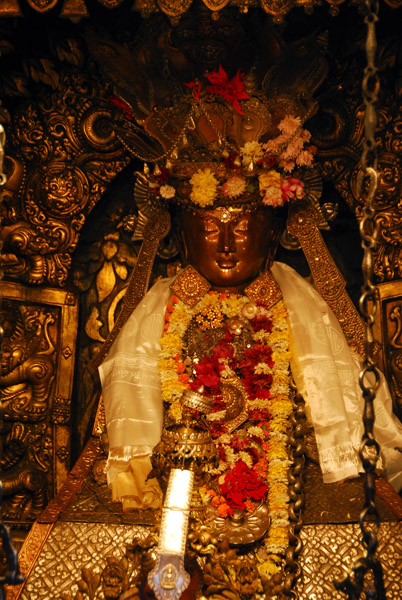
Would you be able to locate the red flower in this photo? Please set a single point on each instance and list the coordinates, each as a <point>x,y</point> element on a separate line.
<point>222,350</point>
<point>217,404</point>
<point>253,356</point>
<point>242,484</point>
<point>269,160</point>
<point>221,453</point>
<point>206,374</point>
<point>237,444</point>
<point>259,414</point>
<point>217,429</point>
<point>121,104</point>
<point>232,90</point>
<point>196,87</point>
<point>261,322</point>
<point>230,162</point>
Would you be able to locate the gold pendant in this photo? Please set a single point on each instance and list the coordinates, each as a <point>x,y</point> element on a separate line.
<point>190,287</point>
<point>264,289</point>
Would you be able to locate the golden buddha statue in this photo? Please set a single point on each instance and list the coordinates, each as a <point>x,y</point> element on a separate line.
<point>235,328</point>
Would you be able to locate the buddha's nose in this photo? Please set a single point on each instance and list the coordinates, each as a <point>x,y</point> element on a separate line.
<point>226,243</point>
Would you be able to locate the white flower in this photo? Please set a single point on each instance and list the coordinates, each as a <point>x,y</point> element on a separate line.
<point>216,416</point>
<point>231,457</point>
<point>262,368</point>
<point>261,336</point>
<point>257,431</point>
<point>245,457</point>
<point>251,152</point>
<point>167,192</point>
<point>224,439</point>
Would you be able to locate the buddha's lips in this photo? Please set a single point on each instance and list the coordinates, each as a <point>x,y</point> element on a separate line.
<point>227,263</point>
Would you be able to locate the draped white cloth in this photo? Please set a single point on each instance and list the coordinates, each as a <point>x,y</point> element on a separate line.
<point>325,370</point>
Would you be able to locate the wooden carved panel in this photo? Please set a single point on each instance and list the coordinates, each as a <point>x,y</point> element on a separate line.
<point>35,387</point>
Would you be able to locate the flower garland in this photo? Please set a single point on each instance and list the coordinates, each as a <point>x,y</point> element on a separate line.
<point>253,459</point>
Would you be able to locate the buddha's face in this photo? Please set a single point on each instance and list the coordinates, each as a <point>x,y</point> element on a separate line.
<point>229,247</point>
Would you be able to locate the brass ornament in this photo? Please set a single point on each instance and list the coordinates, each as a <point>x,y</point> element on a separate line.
<point>264,289</point>
<point>197,401</point>
<point>76,9</point>
<point>216,4</point>
<point>174,8</point>
<point>190,287</point>
<point>236,401</point>
<point>303,223</point>
<point>110,3</point>
<point>242,528</point>
<point>42,6</point>
<point>388,329</point>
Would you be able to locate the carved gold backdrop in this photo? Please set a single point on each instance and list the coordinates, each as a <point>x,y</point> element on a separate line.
<point>69,215</point>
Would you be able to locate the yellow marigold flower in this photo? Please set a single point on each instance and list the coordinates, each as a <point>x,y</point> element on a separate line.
<point>166,364</point>
<point>204,185</point>
<point>269,179</point>
<point>180,314</point>
<point>278,356</point>
<point>175,410</point>
<point>171,340</point>
<point>268,568</point>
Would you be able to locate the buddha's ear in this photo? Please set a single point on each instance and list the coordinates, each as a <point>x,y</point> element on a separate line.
<point>178,236</point>
<point>278,226</point>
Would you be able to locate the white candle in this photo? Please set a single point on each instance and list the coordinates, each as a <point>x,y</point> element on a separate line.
<point>175,513</point>
<point>179,489</point>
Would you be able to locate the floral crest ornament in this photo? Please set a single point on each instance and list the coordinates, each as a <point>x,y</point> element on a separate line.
<point>269,173</point>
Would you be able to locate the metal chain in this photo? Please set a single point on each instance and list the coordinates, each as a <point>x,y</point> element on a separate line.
<point>354,584</point>
<point>12,576</point>
<point>292,567</point>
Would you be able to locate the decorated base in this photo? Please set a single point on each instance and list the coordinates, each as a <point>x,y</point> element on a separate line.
<point>84,542</point>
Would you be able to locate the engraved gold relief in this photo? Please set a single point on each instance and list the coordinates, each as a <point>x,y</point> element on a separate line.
<point>47,197</point>
<point>36,404</point>
<point>74,9</point>
<point>328,551</point>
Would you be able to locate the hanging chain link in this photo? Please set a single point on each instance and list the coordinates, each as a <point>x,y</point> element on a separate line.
<point>354,584</point>
<point>12,576</point>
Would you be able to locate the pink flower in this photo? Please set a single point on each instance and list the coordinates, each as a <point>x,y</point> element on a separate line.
<point>293,148</point>
<point>273,146</point>
<point>273,197</point>
<point>235,186</point>
<point>289,125</point>
<point>286,165</point>
<point>305,158</point>
<point>292,188</point>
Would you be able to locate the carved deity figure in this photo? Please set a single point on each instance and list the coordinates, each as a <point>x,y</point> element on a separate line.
<point>25,384</point>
